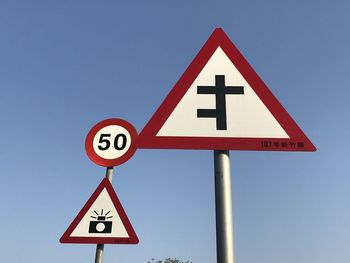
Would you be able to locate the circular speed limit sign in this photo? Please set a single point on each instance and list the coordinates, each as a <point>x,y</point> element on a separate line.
<point>111,142</point>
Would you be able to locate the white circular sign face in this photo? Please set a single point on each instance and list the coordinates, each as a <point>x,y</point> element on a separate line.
<point>112,142</point>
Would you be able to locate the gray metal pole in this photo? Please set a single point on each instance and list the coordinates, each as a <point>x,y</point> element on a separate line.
<point>109,173</point>
<point>223,207</point>
<point>99,253</point>
<point>100,247</point>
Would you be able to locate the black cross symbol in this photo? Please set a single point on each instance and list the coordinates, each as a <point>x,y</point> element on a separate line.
<point>220,91</point>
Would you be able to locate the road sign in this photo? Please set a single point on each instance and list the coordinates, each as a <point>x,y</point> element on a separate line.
<point>221,103</point>
<point>102,220</point>
<point>111,142</point>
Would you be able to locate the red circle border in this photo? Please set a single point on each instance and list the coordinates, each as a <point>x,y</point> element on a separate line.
<point>110,162</point>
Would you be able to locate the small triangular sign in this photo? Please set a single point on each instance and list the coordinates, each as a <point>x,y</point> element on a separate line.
<point>102,220</point>
<point>221,103</point>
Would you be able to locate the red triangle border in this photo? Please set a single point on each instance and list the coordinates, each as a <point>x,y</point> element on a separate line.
<point>298,141</point>
<point>132,239</point>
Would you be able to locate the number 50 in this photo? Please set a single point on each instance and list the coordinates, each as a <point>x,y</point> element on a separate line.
<point>119,142</point>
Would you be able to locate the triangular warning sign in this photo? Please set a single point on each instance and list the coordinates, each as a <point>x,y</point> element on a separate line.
<point>221,103</point>
<point>102,220</point>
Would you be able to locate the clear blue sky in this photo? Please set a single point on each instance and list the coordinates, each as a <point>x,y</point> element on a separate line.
<point>66,65</point>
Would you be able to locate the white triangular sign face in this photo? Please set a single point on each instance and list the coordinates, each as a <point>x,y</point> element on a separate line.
<point>101,221</point>
<point>221,103</point>
<point>246,114</point>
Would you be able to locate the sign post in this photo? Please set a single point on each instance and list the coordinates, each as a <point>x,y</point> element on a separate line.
<point>223,207</point>
<point>103,220</point>
<point>99,253</point>
<point>100,247</point>
<point>221,104</point>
